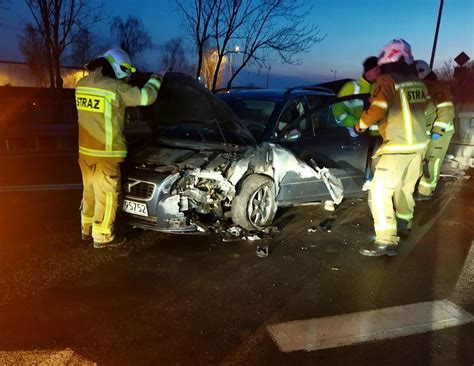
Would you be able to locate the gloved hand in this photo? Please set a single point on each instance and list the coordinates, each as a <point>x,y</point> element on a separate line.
<point>353,132</point>
<point>435,136</point>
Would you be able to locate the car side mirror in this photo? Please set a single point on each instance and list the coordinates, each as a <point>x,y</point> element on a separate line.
<point>292,136</point>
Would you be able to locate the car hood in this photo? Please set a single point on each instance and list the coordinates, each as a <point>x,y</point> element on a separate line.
<point>182,99</point>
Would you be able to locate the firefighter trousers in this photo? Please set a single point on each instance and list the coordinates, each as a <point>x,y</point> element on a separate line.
<point>391,193</point>
<point>101,181</point>
<point>434,158</point>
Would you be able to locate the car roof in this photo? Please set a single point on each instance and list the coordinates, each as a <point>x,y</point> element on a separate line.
<point>275,94</point>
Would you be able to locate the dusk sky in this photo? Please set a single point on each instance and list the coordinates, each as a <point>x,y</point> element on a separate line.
<point>355,29</point>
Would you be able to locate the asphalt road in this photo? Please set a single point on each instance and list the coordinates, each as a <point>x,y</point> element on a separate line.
<point>196,300</point>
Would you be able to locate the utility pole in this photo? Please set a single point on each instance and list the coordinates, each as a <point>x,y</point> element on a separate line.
<point>435,41</point>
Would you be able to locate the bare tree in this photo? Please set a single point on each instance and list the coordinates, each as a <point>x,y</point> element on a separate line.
<point>197,22</point>
<point>174,56</point>
<point>57,21</point>
<point>3,7</point>
<point>446,72</point>
<point>34,50</point>
<point>131,35</point>
<point>261,29</point>
<point>84,47</point>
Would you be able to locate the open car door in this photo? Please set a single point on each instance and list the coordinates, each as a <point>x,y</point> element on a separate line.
<point>330,146</point>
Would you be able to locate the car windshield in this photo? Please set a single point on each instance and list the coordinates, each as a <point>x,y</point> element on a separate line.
<point>195,131</point>
<point>253,113</point>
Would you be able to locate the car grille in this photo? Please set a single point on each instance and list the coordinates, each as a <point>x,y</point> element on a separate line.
<point>139,189</point>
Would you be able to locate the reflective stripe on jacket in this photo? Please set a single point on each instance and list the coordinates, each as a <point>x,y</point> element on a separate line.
<point>101,103</point>
<point>348,113</point>
<point>440,112</point>
<point>398,106</point>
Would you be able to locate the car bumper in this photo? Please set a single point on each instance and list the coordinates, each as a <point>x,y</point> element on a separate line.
<point>153,190</point>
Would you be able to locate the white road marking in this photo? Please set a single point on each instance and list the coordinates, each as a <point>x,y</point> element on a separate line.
<point>44,357</point>
<point>41,187</point>
<point>350,329</point>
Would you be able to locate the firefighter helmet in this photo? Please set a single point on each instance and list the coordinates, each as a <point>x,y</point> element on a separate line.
<point>422,68</point>
<point>120,62</point>
<point>394,51</point>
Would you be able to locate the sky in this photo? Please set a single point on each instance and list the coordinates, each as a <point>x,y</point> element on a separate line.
<point>355,29</point>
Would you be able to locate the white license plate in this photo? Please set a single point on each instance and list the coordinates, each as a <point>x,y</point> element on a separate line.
<point>135,208</point>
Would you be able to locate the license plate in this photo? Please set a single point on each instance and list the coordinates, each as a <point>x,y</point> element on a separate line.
<point>135,208</point>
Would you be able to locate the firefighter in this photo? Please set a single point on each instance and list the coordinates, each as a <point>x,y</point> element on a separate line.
<point>101,99</point>
<point>348,113</point>
<point>398,107</point>
<point>440,115</point>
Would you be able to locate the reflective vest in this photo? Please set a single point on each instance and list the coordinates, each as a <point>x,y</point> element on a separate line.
<point>440,111</point>
<point>101,103</point>
<point>348,113</point>
<point>398,107</point>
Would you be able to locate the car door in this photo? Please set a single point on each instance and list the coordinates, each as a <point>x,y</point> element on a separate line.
<point>294,129</point>
<point>332,147</point>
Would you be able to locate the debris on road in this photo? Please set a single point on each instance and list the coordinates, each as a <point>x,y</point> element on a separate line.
<point>312,229</point>
<point>329,205</point>
<point>262,252</point>
<point>234,230</point>
<point>326,224</point>
<point>252,237</point>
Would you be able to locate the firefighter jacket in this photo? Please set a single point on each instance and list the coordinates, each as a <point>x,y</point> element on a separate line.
<point>348,113</point>
<point>398,107</point>
<point>101,103</point>
<point>440,111</point>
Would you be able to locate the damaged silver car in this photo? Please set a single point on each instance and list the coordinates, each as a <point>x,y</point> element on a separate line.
<point>202,162</point>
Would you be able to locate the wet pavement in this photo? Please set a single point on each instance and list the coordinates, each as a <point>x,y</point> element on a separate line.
<point>197,300</point>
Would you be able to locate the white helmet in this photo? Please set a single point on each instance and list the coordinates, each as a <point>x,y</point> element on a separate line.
<point>394,51</point>
<point>120,62</point>
<point>422,68</point>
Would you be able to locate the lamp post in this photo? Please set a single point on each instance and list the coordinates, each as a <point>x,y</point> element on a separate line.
<point>231,60</point>
<point>435,41</point>
<point>335,73</point>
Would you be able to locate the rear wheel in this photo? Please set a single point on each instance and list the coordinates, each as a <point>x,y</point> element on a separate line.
<point>255,206</point>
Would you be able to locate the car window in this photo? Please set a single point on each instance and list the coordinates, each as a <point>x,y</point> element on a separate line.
<point>200,133</point>
<point>254,114</point>
<point>291,112</point>
<point>253,110</point>
<point>326,117</point>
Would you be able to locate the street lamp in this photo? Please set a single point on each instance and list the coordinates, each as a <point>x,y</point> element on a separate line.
<point>231,60</point>
<point>335,73</point>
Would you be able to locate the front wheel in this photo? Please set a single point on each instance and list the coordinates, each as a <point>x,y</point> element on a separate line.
<point>255,206</point>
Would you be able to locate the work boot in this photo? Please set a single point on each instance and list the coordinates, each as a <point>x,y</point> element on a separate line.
<point>86,237</point>
<point>403,228</point>
<point>377,249</point>
<point>117,241</point>
<point>421,197</point>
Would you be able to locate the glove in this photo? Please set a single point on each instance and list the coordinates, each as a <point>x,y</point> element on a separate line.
<point>353,132</point>
<point>435,136</point>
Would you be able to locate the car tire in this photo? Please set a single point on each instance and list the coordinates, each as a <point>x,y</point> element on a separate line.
<point>254,207</point>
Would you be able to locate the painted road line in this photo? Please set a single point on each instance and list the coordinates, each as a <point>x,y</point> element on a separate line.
<point>47,357</point>
<point>355,328</point>
<point>41,187</point>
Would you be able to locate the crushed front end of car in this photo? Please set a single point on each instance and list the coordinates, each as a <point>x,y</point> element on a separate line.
<point>201,164</point>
